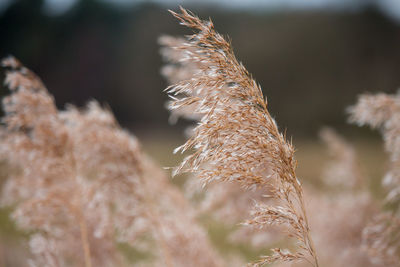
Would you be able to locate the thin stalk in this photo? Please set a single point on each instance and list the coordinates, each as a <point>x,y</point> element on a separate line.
<point>309,238</point>
<point>85,241</point>
<point>81,219</point>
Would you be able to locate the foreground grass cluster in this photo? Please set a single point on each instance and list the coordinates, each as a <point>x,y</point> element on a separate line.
<point>85,192</point>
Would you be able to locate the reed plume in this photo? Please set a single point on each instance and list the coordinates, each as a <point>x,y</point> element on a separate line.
<point>236,139</point>
<point>82,185</point>
<point>382,111</point>
<point>228,203</point>
<point>381,236</point>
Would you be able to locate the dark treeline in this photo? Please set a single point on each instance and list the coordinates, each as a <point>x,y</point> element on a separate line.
<point>310,64</point>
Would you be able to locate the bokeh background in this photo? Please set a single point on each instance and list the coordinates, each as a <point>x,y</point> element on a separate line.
<point>312,58</point>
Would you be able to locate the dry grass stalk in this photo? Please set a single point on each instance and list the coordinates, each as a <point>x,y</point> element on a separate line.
<point>340,212</point>
<point>236,138</point>
<point>79,178</point>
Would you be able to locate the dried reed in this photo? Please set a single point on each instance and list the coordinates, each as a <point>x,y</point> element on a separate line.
<point>229,203</point>
<point>236,138</point>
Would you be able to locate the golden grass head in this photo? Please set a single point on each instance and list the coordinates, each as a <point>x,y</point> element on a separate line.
<point>235,139</point>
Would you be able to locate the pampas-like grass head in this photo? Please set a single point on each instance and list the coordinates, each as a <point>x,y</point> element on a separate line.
<point>82,185</point>
<point>236,139</point>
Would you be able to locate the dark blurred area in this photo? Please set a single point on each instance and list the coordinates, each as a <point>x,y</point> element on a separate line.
<point>312,63</point>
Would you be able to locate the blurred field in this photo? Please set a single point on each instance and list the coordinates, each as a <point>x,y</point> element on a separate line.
<point>100,51</point>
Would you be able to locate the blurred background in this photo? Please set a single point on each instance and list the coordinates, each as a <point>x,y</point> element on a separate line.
<point>312,58</point>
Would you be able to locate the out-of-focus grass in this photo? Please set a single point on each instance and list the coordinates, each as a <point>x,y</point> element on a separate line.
<point>311,156</point>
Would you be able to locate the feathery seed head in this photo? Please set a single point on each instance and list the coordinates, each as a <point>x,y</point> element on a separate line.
<point>235,139</point>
